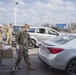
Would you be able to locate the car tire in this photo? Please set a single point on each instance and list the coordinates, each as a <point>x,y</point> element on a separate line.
<point>30,45</point>
<point>71,67</point>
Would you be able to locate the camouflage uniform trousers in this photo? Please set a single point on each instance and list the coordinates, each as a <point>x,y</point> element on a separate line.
<point>23,51</point>
<point>9,38</point>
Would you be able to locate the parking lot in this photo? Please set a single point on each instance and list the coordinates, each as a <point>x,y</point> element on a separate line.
<point>41,69</point>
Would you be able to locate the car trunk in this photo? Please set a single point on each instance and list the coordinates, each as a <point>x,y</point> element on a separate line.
<point>47,45</point>
<point>50,43</point>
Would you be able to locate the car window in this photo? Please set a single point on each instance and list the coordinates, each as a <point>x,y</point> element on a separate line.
<point>50,31</point>
<point>63,39</point>
<point>31,29</point>
<point>40,30</point>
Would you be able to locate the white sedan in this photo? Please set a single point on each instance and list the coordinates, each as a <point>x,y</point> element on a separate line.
<point>60,53</point>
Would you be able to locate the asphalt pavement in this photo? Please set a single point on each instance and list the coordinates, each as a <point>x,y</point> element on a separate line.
<point>41,69</point>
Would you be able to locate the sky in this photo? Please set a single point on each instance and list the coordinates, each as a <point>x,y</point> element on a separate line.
<point>37,12</point>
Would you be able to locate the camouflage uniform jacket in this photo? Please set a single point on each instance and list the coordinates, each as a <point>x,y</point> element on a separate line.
<point>9,30</point>
<point>23,38</point>
<point>4,29</point>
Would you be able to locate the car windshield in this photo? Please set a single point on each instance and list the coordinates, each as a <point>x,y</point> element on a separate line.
<point>31,30</point>
<point>17,28</point>
<point>62,39</point>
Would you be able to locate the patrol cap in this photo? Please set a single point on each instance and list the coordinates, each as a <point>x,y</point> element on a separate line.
<point>11,23</point>
<point>27,25</point>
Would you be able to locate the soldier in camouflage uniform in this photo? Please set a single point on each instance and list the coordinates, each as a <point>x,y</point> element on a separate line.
<point>23,38</point>
<point>4,30</point>
<point>9,34</point>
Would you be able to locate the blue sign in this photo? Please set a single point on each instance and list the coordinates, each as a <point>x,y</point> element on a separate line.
<point>60,25</point>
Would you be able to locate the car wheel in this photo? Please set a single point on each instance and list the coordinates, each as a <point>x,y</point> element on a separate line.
<point>30,45</point>
<point>71,67</point>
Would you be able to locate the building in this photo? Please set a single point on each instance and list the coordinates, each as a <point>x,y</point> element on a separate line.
<point>62,26</point>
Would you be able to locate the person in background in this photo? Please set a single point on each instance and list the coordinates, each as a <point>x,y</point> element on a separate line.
<point>22,39</point>
<point>4,31</point>
<point>9,34</point>
<point>4,28</point>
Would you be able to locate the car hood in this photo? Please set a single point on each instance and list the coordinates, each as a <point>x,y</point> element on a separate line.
<point>50,43</point>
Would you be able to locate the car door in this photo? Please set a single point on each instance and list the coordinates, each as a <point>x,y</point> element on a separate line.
<point>41,34</point>
<point>32,32</point>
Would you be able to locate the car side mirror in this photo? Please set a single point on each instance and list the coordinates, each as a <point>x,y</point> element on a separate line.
<point>57,34</point>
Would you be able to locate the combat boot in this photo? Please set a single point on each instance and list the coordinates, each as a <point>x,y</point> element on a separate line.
<point>31,67</point>
<point>16,68</point>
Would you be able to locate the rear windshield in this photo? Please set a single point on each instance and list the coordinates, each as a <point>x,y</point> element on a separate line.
<point>62,39</point>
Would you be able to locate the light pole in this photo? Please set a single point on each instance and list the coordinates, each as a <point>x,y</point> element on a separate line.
<point>41,19</point>
<point>16,12</point>
<point>54,18</point>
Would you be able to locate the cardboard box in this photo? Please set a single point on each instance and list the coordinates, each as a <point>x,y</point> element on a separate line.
<point>6,53</point>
